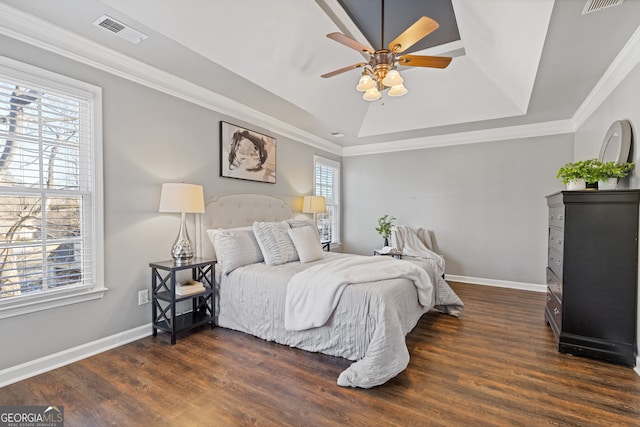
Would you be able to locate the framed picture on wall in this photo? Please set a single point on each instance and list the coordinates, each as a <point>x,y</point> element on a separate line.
<point>246,154</point>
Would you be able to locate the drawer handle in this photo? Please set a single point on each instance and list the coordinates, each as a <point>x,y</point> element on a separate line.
<point>556,311</point>
<point>548,297</point>
<point>558,286</point>
<point>559,241</point>
<point>550,216</point>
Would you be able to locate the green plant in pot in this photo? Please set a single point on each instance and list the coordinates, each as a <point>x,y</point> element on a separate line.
<point>610,172</point>
<point>577,174</point>
<point>385,222</point>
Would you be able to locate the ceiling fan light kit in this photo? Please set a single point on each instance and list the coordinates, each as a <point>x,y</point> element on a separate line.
<point>381,73</point>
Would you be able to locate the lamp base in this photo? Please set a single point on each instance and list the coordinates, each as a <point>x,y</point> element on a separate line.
<point>182,250</point>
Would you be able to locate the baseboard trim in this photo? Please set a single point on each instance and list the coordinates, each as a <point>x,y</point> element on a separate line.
<point>47,363</point>
<point>637,368</point>
<point>497,283</point>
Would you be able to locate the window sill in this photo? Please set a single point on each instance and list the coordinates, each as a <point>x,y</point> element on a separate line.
<point>12,307</point>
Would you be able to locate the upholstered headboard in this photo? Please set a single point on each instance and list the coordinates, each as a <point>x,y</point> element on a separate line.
<point>236,210</point>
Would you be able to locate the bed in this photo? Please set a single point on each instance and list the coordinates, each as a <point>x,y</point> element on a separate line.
<point>369,319</point>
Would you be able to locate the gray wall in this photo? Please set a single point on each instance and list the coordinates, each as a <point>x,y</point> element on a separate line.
<point>149,138</point>
<point>485,202</point>
<point>623,103</point>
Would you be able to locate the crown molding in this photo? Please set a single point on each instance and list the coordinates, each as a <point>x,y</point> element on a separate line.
<point>625,61</point>
<point>44,35</point>
<point>461,138</point>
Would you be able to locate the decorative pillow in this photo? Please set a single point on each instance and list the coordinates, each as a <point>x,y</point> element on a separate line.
<point>306,243</point>
<point>297,223</point>
<point>213,231</point>
<point>235,248</point>
<point>275,244</point>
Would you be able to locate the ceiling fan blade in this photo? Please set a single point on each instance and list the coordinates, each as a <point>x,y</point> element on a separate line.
<point>424,61</point>
<point>349,42</point>
<point>342,70</point>
<point>420,29</point>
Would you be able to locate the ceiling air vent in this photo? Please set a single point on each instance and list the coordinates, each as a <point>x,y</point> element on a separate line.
<point>596,5</point>
<point>120,29</point>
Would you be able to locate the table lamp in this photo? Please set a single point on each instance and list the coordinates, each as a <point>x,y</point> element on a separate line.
<point>314,205</point>
<point>182,198</point>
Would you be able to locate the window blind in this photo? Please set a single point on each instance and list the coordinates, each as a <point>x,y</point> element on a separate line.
<point>327,184</point>
<point>46,182</point>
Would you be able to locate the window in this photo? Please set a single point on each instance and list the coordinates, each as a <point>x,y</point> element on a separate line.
<point>327,184</point>
<point>50,190</point>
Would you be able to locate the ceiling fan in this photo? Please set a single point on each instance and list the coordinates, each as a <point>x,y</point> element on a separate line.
<point>380,71</point>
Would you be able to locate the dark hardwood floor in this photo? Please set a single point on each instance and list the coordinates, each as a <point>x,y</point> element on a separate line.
<point>496,365</point>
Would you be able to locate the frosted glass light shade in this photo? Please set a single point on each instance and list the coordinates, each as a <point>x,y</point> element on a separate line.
<point>371,94</point>
<point>398,90</point>
<point>180,197</point>
<point>392,78</point>
<point>314,204</point>
<point>365,83</point>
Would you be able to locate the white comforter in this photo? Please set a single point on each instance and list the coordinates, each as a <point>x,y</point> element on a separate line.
<point>313,294</point>
<point>368,325</point>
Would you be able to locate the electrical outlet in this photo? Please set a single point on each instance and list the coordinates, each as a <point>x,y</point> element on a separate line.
<point>143,297</point>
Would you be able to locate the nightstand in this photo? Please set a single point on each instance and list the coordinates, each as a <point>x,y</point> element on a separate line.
<point>164,298</point>
<point>393,253</point>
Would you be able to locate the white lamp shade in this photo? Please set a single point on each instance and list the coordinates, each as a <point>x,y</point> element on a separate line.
<point>180,197</point>
<point>365,83</point>
<point>398,90</point>
<point>392,78</point>
<point>314,204</point>
<point>371,94</point>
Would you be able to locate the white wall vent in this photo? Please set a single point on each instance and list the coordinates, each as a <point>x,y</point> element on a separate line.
<point>120,29</point>
<point>596,5</point>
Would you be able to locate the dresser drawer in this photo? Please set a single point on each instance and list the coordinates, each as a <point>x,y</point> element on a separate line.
<point>556,216</point>
<point>555,262</point>
<point>554,284</point>
<point>554,313</point>
<point>556,239</point>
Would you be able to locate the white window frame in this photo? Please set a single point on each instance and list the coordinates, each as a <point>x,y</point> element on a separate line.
<point>335,235</point>
<point>28,75</point>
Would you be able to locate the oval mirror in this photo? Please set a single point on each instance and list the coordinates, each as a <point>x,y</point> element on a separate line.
<point>617,143</point>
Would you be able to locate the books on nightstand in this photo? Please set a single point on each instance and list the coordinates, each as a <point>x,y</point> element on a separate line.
<point>189,289</point>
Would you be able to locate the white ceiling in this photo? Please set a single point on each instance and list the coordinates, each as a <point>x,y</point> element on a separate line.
<point>529,65</point>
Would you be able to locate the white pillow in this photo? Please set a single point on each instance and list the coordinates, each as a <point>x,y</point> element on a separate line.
<point>296,223</point>
<point>275,244</point>
<point>306,242</point>
<point>236,248</point>
<point>213,231</point>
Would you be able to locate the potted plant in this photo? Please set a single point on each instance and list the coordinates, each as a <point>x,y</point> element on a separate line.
<point>610,172</point>
<point>385,222</point>
<point>577,174</point>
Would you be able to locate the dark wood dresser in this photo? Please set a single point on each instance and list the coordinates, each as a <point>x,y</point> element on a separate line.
<point>592,273</point>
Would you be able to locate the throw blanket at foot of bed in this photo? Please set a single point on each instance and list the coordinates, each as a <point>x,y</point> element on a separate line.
<point>313,294</point>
